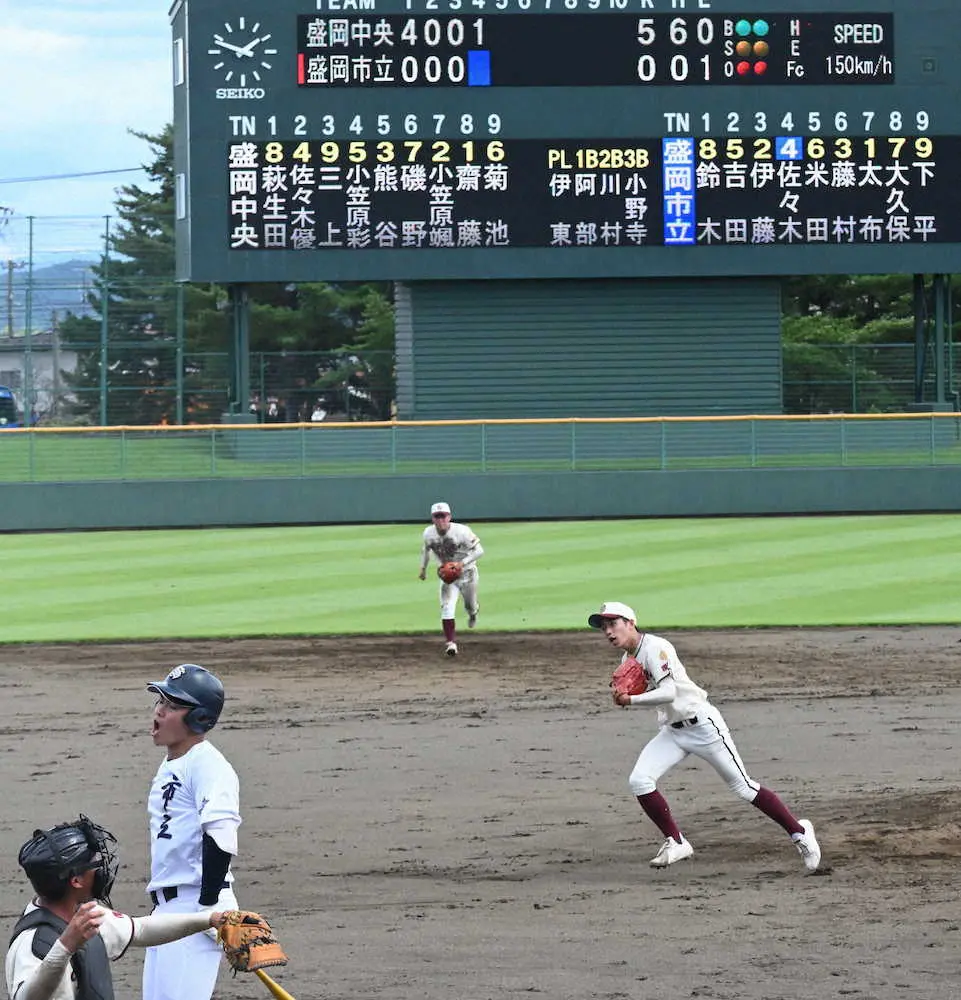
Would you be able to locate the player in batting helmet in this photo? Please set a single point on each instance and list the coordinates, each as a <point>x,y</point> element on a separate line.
<point>197,689</point>
<point>194,811</point>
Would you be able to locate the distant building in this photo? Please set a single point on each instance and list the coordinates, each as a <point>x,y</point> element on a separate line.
<point>47,361</point>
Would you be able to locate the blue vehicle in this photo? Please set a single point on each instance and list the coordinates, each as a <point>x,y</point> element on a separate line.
<point>9,416</point>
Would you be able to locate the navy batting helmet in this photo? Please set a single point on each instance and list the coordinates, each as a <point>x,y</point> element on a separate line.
<point>196,688</point>
<point>52,857</point>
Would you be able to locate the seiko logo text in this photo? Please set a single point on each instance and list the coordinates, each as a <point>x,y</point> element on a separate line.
<point>240,93</point>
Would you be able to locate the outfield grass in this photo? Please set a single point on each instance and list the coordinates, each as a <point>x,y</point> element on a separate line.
<point>336,580</point>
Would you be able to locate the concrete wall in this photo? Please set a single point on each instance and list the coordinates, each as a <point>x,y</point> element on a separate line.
<point>536,496</point>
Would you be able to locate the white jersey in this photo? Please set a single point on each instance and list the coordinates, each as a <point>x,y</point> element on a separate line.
<point>21,965</point>
<point>187,795</point>
<point>659,659</point>
<point>457,544</point>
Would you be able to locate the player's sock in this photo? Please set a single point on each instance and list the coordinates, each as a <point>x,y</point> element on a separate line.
<point>772,806</point>
<point>659,813</point>
<point>449,630</point>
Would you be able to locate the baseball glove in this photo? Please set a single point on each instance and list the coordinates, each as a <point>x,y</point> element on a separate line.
<point>450,571</point>
<point>629,678</point>
<point>248,942</point>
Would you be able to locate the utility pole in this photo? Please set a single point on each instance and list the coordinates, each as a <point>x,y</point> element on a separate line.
<point>11,266</point>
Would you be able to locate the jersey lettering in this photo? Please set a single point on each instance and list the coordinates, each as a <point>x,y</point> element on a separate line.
<point>169,790</point>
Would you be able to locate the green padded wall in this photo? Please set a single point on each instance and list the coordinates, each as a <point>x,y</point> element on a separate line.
<point>603,348</point>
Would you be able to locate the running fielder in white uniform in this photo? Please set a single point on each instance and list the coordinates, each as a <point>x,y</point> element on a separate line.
<point>194,811</point>
<point>689,724</point>
<point>449,541</point>
<point>64,942</point>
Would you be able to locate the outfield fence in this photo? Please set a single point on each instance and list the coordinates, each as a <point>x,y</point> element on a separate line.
<point>217,451</point>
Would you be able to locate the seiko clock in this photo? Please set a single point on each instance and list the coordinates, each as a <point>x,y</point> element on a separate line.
<point>241,51</point>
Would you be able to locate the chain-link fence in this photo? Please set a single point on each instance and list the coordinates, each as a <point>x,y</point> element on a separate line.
<point>94,337</point>
<point>862,378</point>
<point>89,338</point>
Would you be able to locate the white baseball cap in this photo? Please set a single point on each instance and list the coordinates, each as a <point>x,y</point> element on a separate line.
<point>440,508</point>
<point>611,609</point>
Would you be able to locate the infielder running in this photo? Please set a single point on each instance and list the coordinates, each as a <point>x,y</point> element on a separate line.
<point>64,942</point>
<point>689,724</point>
<point>449,541</point>
<point>194,812</point>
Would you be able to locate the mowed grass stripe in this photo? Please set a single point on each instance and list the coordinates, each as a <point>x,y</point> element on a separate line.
<point>348,579</point>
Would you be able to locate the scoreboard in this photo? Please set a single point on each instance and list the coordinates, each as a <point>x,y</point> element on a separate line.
<point>430,139</point>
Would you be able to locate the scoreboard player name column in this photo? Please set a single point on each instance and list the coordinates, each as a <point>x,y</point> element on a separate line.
<point>359,195</point>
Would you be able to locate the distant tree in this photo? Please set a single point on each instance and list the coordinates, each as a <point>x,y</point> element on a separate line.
<point>839,337</point>
<point>135,304</point>
<point>135,301</point>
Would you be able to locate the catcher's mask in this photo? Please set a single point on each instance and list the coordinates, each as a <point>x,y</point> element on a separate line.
<point>195,688</point>
<point>52,857</point>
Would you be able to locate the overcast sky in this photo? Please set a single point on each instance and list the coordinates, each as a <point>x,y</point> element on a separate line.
<point>76,75</point>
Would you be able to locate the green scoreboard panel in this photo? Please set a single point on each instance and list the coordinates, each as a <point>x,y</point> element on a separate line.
<point>430,139</point>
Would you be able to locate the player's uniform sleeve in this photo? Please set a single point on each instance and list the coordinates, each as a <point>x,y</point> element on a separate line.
<point>162,928</point>
<point>470,547</point>
<point>656,659</point>
<point>117,933</point>
<point>216,790</point>
<point>29,978</point>
<point>425,548</point>
<point>661,689</point>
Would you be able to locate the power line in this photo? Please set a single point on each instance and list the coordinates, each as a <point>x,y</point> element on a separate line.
<point>63,177</point>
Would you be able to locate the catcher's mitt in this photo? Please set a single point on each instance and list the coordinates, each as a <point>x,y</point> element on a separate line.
<point>629,678</point>
<point>450,571</point>
<point>248,942</point>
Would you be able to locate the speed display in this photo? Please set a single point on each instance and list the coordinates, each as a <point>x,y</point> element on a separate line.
<point>406,139</point>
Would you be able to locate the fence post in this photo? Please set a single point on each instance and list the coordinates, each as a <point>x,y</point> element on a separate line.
<point>844,442</point>
<point>393,448</point>
<point>483,429</point>
<point>854,378</point>
<point>262,380</point>
<point>753,443</point>
<point>180,353</point>
<point>573,444</point>
<point>104,319</point>
<point>663,444</point>
<point>28,391</point>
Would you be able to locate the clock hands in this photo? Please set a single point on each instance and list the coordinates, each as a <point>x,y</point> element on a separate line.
<point>240,50</point>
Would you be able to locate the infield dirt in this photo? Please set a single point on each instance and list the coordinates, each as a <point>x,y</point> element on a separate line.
<point>461,829</point>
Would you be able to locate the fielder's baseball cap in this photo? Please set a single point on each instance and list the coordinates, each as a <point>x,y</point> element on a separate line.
<point>611,609</point>
<point>439,508</point>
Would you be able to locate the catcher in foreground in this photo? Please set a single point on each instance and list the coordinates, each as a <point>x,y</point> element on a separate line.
<point>248,942</point>
<point>651,674</point>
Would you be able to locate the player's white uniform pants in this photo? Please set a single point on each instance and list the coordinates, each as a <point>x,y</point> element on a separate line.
<point>185,969</point>
<point>465,587</point>
<point>709,739</point>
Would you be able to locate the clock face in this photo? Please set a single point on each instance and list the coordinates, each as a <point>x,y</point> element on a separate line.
<point>242,51</point>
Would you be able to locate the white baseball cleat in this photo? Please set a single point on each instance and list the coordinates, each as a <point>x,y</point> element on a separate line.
<point>451,649</point>
<point>472,620</point>
<point>670,852</point>
<point>807,846</point>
